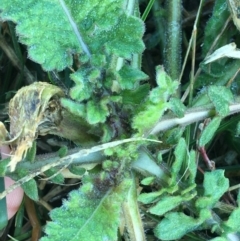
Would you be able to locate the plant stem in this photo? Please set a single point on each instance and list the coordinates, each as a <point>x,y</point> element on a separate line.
<point>132,216</point>
<point>173,39</point>
<point>192,115</point>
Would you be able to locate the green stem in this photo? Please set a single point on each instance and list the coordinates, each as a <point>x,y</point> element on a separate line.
<point>147,10</point>
<point>173,39</point>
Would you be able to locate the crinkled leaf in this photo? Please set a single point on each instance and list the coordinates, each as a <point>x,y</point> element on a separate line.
<point>216,181</point>
<point>129,77</point>
<point>220,97</point>
<point>73,107</point>
<point>175,225</point>
<point>81,27</point>
<point>209,131</point>
<point>90,214</point>
<point>82,90</point>
<point>96,112</point>
<point>164,81</point>
<point>166,204</point>
<point>146,119</point>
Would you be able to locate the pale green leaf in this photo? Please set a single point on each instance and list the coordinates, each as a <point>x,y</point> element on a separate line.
<point>147,118</point>
<point>73,107</point>
<point>166,204</point>
<point>82,90</point>
<point>150,197</point>
<point>96,112</point>
<point>55,30</point>
<point>216,181</point>
<point>221,97</point>
<point>129,77</point>
<point>164,81</point>
<point>209,131</point>
<point>175,225</point>
<point>90,214</point>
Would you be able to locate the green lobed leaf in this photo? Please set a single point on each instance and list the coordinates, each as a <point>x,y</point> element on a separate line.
<point>82,90</point>
<point>129,77</point>
<point>164,81</point>
<point>221,98</point>
<point>77,27</point>
<point>90,214</point>
<point>146,119</point>
<point>175,225</point>
<point>209,131</point>
<point>216,181</point>
<point>97,112</point>
<point>73,107</point>
<point>166,204</point>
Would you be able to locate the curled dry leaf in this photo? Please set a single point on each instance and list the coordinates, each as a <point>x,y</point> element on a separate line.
<point>229,50</point>
<point>34,110</point>
<point>3,133</point>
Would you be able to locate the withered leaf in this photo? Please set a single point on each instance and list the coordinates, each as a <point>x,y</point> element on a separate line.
<point>34,110</point>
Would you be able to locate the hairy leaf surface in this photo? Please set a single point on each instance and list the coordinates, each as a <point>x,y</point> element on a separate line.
<point>55,30</point>
<point>91,213</point>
